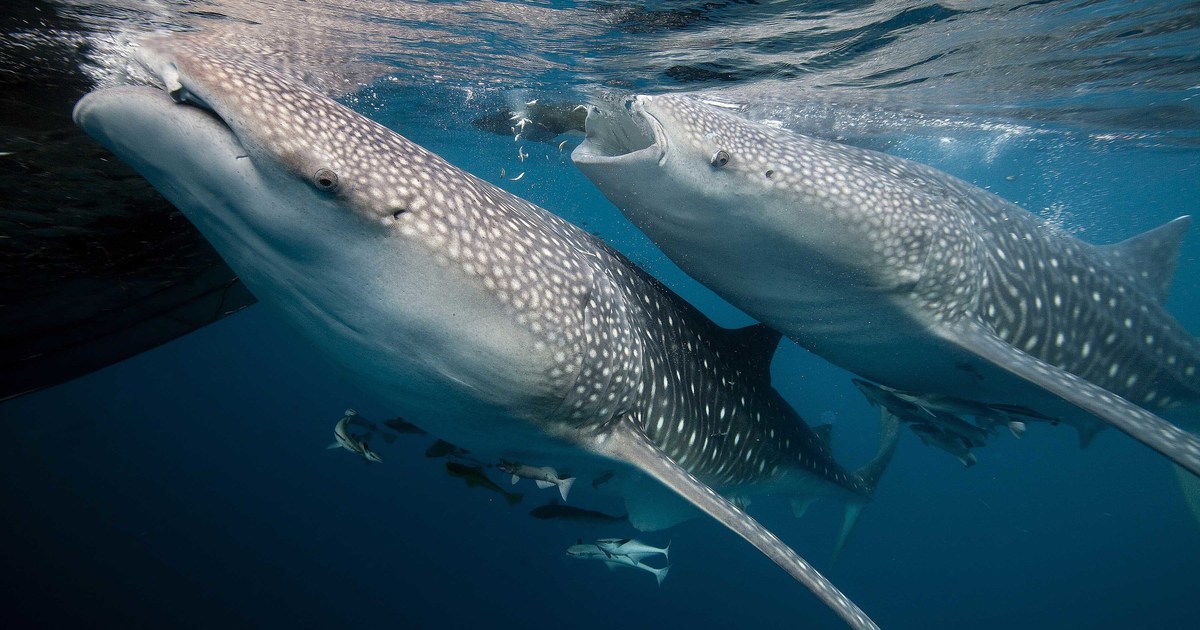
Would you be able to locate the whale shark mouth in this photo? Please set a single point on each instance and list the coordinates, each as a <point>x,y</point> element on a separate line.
<point>175,84</point>
<point>621,134</point>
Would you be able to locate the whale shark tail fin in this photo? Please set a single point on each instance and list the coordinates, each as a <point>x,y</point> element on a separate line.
<point>889,436</point>
<point>869,474</point>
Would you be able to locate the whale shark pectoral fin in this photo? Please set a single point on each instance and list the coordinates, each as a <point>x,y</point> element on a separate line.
<point>625,442</point>
<point>1176,444</point>
<point>333,446</point>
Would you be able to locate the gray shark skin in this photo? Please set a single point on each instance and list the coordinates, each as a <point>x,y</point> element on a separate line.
<point>901,273</point>
<point>510,330</point>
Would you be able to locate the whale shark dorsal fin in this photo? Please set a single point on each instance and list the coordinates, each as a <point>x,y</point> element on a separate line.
<point>756,346</point>
<point>625,442</point>
<point>1153,255</point>
<point>1176,444</point>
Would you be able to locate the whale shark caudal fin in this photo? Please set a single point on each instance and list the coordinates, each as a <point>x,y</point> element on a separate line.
<point>869,474</point>
<point>625,442</point>
<point>1176,444</point>
<point>564,486</point>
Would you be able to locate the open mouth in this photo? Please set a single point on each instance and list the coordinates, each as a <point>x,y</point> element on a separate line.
<point>621,133</point>
<point>174,83</point>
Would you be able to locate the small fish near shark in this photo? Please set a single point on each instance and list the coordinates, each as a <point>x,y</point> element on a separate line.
<point>919,408</point>
<point>343,439</point>
<point>585,551</point>
<point>475,477</point>
<point>633,548</point>
<point>901,273</point>
<point>543,476</point>
<point>556,511</point>
<point>932,422</point>
<point>510,330</point>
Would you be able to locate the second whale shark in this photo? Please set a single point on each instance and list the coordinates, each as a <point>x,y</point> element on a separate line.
<point>511,331</point>
<point>901,273</point>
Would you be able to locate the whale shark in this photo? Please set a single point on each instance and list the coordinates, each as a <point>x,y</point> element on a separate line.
<point>901,273</point>
<point>505,328</point>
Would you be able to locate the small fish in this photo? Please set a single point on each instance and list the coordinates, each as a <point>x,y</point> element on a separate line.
<point>400,425</point>
<point>603,479</point>
<point>633,548</point>
<point>531,103</point>
<point>555,511</point>
<point>442,448</point>
<point>521,154</point>
<point>476,478</point>
<point>953,444</point>
<point>518,177</point>
<point>594,552</point>
<point>343,439</point>
<point>561,145</point>
<point>370,455</point>
<point>543,476</point>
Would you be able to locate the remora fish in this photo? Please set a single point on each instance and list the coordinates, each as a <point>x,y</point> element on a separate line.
<point>343,439</point>
<point>901,273</point>
<point>593,552</point>
<point>510,330</point>
<point>476,478</point>
<point>400,425</point>
<point>933,435</point>
<point>909,409</point>
<point>633,548</point>
<point>543,476</point>
<point>555,511</point>
<point>442,448</point>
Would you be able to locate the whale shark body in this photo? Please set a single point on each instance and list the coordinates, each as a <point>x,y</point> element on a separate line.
<point>508,330</point>
<point>901,273</point>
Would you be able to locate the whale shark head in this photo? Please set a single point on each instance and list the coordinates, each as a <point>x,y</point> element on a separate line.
<point>403,268</point>
<point>686,169</point>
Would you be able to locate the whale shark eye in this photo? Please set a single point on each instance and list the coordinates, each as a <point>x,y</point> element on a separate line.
<point>719,159</point>
<point>325,179</point>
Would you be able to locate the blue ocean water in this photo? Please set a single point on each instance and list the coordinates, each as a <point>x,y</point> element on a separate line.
<point>190,486</point>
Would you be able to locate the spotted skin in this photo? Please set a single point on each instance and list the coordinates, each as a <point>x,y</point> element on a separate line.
<point>902,273</point>
<point>382,253</point>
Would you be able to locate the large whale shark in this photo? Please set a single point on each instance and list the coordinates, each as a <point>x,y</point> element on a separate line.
<point>902,273</point>
<point>507,329</point>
